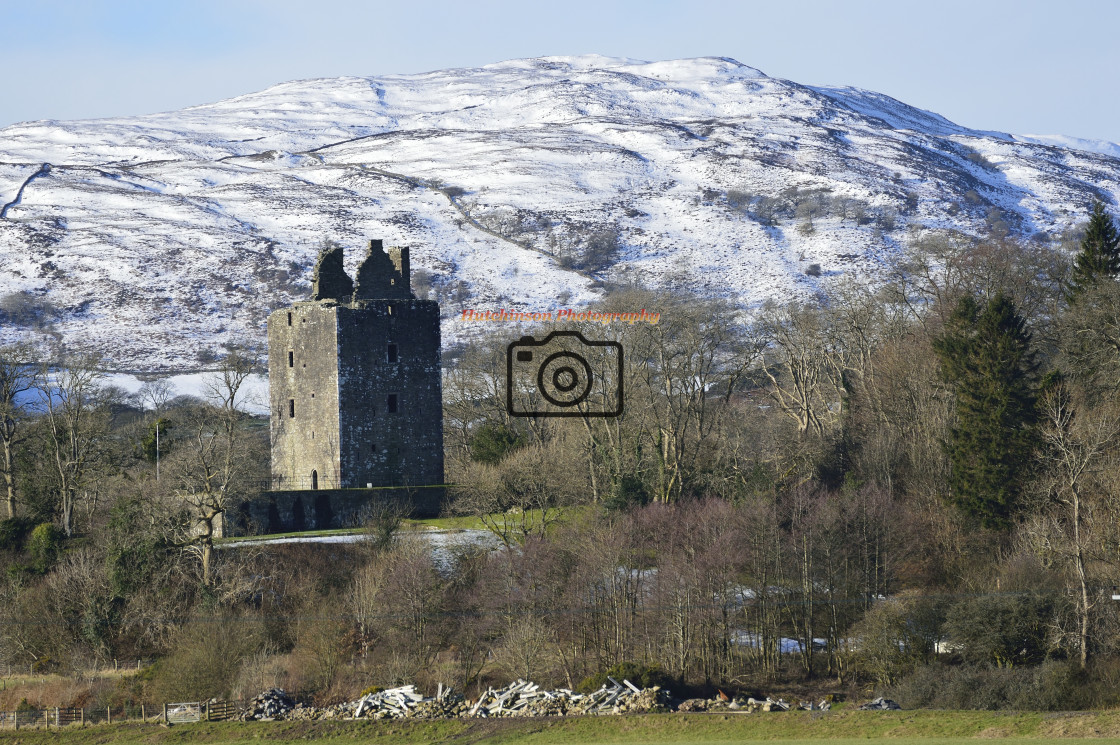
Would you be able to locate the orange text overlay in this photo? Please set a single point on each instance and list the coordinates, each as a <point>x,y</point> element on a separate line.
<point>567,315</point>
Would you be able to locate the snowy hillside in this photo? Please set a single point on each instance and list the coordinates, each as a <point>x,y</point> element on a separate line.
<point>157,239</point>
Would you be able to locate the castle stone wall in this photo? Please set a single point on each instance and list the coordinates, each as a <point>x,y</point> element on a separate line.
<point>394,363</point>
<point>324,509</point>
<point>303,396</point>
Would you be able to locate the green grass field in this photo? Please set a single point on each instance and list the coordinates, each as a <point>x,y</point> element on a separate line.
<point>838,728</point>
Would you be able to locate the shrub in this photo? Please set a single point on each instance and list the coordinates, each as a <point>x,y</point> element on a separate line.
<point>44,546</point>
<point>1052,686</point>
<point>886,219</point>
<point>738,200</point>
<point>492,442</point>
<point>895,635</point>
<point>979,160</point>
<point>25,309</point>
<point>813,270</point>
<point>601,250</point>
<point>629,491</point>
<point>13,533</point>
<point>208,654</point>
<point>1004,630</point>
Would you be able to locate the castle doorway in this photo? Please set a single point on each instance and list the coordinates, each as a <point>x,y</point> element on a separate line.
<point>314,480</point>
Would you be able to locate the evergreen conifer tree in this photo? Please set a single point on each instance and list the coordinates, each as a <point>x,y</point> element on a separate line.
<point>986,358</point>
<point>1100,253</point>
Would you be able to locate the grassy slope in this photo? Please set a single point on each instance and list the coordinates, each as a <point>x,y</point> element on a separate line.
<point>926,727</point>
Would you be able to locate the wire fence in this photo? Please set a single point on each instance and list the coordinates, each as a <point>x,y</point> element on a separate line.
<point>183,712</point>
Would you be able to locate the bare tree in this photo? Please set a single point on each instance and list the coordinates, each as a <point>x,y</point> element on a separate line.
<point>525,493</point>
<point>797,367</point>
<point>19,374</point>
<point>1079,445</point>
<point>696,357</point>
<point>155,394</point>
<point>72,397</point>
<point>216,460</point>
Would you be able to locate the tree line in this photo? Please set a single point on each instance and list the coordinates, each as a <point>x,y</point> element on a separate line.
<point>909,486</point>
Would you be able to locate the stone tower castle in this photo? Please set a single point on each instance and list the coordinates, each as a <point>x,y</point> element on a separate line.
<point>354,376</point>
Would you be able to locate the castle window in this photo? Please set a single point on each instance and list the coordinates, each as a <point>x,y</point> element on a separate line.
<point>392,354</point>
<point>291,408</point>
<point>314,480</point>
<point>373,447</point>
<point>291,359</point>
<point>390,309</point>
<point>391,403</point>
<point>289,319</point>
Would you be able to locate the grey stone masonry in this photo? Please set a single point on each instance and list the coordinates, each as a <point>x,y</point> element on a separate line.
<point>354,378</point>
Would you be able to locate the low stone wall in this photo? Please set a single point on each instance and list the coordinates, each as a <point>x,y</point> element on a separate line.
<point>325,509</point>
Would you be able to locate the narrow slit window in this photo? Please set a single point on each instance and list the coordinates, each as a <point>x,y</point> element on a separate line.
<point>291,408</point>
<point>289,319</point>
<point>291,359</point>
<point>373,447</point>
<point>392,353</point>
<point>391,403</point>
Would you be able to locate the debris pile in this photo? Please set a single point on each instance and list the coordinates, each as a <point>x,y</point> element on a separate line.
<point>394,703</point>
<point>749,705</point>
<point>521,698</point>
<point>879,704</point>
<point>525,699</point>
<point>274,703</point>
<point>768,704</point>
<point>406,701</point>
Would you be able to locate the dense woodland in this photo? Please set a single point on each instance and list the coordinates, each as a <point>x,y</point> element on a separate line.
<point>911,489</point>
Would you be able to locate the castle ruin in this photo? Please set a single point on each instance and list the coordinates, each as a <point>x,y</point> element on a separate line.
<point>355,392</point>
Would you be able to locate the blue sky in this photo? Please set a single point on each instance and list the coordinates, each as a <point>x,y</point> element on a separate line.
<point>1024,67</point>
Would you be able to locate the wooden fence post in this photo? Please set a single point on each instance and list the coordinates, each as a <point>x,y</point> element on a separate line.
<point>57,719</point>
<point>143,713</point>
<point>82,716</point>
<point>207,711</point>
<point>109,714</point>
<point>165,720</point>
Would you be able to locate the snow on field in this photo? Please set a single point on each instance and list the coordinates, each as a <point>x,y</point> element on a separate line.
<point>156,240</point>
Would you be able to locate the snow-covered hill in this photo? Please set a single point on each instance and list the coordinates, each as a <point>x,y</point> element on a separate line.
<point>157,239</point>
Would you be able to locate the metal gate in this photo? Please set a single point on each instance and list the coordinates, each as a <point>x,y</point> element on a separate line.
<point>190,711</point>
